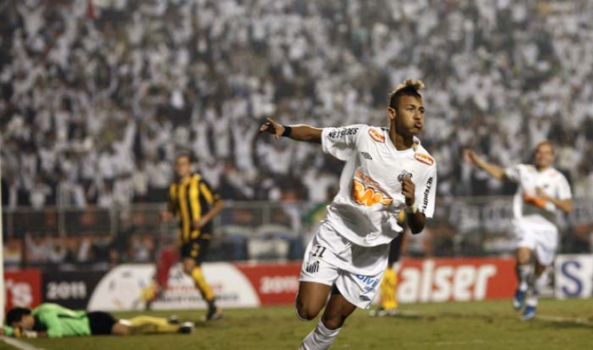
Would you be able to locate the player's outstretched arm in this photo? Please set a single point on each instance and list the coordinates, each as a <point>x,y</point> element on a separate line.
<point>296,132</point>
<point>493,170</point>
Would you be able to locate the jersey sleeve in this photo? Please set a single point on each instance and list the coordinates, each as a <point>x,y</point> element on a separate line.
<point>341,142</point>
<point>48,314</point>
<point>513,173</point>
<point>563,190</point>
<point>426,193</point>
<point>8,331</point>
<point>209,194</point>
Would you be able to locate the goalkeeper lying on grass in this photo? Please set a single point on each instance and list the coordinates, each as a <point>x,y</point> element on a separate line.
<point>55,321</point>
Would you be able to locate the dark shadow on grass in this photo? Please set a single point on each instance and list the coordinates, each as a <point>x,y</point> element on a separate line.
<point>565,323</point>
<point>542,321</point>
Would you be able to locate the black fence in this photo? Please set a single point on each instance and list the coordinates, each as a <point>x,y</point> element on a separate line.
<point>99,238</point>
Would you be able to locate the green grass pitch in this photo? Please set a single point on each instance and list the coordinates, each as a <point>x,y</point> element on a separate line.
<point>473,325</point>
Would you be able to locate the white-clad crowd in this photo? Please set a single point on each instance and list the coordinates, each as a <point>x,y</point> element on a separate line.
<point>97,97</point>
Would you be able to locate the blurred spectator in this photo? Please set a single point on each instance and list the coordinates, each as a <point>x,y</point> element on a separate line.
<point>12,252</point>
<point>104,251</point>
<point>112,97</point>
<point>94,108</point>
<point>141,248</point>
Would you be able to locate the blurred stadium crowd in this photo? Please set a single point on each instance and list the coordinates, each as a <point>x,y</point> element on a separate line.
<point>97,97</point>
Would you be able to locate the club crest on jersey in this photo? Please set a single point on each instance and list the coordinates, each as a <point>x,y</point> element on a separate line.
<point>423,158</point>
<point>403,174</point>
<point>367,192</point>
<point>376,135</point>
<point>313,267</point>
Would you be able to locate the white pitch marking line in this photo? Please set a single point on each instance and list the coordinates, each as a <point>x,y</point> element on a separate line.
<point>20,344</point>
<point>583,321</point>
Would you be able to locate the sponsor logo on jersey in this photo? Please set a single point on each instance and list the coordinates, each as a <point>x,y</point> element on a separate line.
<point>370,284</point>
<point>342,132</point>
<point>367,192</point>
<point>366,155</point>
<point>376,135</point>
<point>423,158</point>
<point>535,201</point>
<point>313,268</point>
<point>426,193</point>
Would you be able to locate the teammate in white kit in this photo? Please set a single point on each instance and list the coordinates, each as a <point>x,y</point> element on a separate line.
<point>542,192</point>
<point>387,170</point>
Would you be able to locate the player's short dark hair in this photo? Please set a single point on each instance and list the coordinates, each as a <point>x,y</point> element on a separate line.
<point>409,87</point>
<point>184,154</point>
<point>16,314</point>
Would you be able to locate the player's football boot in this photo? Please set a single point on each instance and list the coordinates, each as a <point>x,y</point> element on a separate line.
<point>214,313</point>
<point>518,300</point>
<point>529,313</point>
<point>173,320</point>
<point>186,327</point>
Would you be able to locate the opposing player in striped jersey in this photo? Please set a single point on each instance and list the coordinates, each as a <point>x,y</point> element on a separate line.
<point>542,193</point>
<point>195,203</point>
<point>387,171</point>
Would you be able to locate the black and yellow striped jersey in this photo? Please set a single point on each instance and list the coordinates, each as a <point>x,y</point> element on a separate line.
<point>189,200</point>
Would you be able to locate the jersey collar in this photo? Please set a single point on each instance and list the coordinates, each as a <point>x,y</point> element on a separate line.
<point>391,146</point>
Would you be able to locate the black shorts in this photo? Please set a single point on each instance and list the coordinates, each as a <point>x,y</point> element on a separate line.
<point>196,249</point>
<point>100,322</point>
<point>395,249</point>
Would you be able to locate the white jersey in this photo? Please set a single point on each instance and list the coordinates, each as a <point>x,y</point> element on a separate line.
<point>526,202</point>
<point>365,209</point>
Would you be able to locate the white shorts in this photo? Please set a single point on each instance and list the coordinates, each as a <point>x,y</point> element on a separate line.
<point>356,271</point>
<point>539,235</point>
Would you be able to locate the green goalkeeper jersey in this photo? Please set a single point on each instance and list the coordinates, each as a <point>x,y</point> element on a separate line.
<point>61,322</point>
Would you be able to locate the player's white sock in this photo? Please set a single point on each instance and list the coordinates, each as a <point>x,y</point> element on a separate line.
<point>537,284</point>
<point>523,274</point>
<point>321,338</point>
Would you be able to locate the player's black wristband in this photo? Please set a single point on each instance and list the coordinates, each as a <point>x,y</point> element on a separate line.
<point>287,131</point>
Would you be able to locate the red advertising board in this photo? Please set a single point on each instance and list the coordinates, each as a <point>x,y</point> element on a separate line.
<point>23,288</point>
<point>274,284</point>
<point>421,280</point>
<point>462,279</point>
<point>253,285</point>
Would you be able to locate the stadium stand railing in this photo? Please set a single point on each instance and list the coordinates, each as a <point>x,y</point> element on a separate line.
<point>68,238</point>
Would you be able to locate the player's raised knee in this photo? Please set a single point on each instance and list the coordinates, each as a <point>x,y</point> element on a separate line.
<point>305,312</point>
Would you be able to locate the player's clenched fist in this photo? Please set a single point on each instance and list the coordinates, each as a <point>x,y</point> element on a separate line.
<point>272,127</point>
<point>471,157</point>
<point>408,190</point>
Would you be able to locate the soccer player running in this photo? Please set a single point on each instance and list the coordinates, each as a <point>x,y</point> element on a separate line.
<point>194,202</point>
<point>385,173</point>
<point>55,321</point>
<point>542,192</point>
